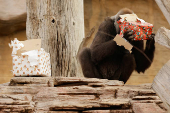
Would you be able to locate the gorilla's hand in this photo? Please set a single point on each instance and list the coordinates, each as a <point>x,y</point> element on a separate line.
<point>151,41</point>
<point>121,50</point>
<point>128,35</point>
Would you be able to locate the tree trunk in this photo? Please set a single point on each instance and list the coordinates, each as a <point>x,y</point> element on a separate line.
<point>60,25</point>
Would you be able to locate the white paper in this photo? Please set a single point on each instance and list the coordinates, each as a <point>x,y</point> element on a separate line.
<point>141,20</point>
<point>16,45</point>
<point>32,57</point>
<point>129,17</point>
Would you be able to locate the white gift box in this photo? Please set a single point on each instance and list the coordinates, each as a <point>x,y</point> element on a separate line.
<point>29,59</point>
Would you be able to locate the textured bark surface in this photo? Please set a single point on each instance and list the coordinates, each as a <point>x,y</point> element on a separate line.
<point>77,95</point>
<point>162,79</point>
<point>161,84</point>
<point>60,25</point>
<point>163,37</point>
<point>164,5</point>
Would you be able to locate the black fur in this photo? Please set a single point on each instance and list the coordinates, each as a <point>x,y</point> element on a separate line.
<point>106,60</point>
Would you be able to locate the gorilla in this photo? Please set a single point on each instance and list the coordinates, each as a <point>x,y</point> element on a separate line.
<point>104,59</point>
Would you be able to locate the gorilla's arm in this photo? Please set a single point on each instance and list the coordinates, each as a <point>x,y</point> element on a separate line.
<point>142,63</point>
<point>103,50</point>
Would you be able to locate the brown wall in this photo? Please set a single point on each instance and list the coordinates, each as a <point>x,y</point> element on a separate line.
<point>5,55</point>
<point>95,11</point>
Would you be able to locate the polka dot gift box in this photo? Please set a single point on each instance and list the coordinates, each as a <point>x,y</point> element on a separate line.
<point>29,59</point>
<point>141,29</point>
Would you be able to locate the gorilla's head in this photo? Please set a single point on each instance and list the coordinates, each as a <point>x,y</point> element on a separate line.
<point>116,17</point>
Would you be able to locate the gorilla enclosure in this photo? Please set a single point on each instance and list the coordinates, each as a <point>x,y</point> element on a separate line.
<point>94,13</point>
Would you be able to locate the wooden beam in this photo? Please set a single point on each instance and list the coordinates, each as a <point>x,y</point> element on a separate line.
<point>164,5</point>
<point>162,37</point>
<point>161,84</point>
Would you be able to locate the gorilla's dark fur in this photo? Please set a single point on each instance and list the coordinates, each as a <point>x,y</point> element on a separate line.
<point>106,60</point>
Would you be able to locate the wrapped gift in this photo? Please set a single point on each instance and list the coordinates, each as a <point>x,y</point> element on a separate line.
<point>141,29</point>
<point>29,59</point>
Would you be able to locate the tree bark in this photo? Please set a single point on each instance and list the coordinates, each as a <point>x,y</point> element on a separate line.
<point>60,25</point>
<point>162,37</point>
<point>164,5</point>
<point>161,81</point>
<point>161,85</point>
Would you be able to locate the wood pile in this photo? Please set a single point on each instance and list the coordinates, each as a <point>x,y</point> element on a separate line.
<point>76,95</point>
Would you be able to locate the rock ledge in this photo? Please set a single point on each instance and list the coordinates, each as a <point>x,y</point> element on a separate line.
<point>75,95</point>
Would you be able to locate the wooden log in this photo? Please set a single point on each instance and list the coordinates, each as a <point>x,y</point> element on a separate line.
<point>60,25</point>
<point>27,94</point>
<point>161,84</point>
<point>163,37</point>
<point>164,5</point>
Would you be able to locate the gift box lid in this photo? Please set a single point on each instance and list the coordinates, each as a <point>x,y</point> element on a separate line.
<point>19,47</point>
<point>129,17</point>
<point>32,44</point>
